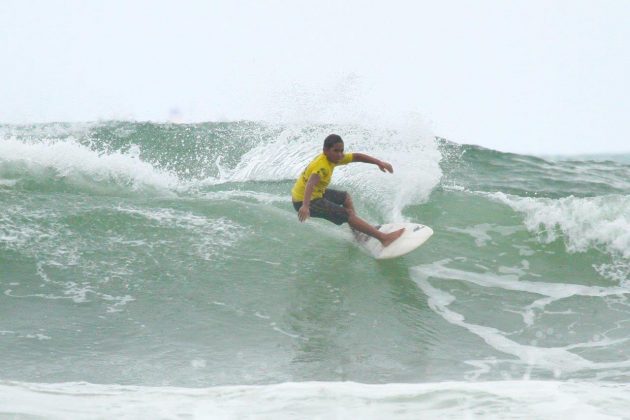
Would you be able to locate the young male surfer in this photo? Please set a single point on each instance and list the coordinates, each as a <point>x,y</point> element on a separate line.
<point>311,198</point>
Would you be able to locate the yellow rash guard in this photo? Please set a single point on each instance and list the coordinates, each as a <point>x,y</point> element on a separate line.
<point>324,168</point>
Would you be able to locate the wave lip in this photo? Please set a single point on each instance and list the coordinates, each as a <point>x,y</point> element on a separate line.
<point>476,168</point>
<point>68,159</point>
<point>584,222</point>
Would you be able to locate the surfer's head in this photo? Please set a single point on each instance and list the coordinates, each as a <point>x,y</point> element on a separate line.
<point>333,148</point>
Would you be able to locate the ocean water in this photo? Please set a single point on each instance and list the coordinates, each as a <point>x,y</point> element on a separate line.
<point>159,271</point>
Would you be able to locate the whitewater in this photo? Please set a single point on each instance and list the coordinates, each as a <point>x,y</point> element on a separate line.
<point>158,270</point>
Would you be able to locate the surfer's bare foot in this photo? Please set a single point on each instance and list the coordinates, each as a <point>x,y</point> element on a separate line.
<point>391,237</point>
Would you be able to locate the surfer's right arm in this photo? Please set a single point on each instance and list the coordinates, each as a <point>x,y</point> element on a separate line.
<point>305,212</point>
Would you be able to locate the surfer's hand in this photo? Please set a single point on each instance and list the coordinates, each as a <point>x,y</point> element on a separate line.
<point>304,213</point>
<point>385,167</point>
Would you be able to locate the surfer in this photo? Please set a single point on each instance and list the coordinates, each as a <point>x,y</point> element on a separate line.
<point>311,198</point>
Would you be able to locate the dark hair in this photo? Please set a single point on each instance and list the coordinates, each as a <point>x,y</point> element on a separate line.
<point>331,140</point>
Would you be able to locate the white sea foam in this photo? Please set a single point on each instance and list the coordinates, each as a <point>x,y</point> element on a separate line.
<point>321,400</point>
<point>40,235</point>
<point>601,222</point>
<point>72,160</point>
<point>212,235</point>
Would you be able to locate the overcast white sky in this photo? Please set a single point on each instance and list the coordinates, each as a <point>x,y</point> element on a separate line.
<point>524,76</point>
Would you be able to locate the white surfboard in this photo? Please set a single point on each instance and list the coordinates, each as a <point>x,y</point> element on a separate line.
<point>414,235</point>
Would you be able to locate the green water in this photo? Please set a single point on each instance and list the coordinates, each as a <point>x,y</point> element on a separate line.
<point>170,255</point>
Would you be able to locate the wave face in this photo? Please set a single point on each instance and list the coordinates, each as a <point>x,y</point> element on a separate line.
<point>163,255</point>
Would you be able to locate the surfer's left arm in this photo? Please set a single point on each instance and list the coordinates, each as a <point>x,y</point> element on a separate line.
<point>383,166</point>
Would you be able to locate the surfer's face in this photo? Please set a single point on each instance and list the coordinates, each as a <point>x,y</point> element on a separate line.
<point>335,153</point>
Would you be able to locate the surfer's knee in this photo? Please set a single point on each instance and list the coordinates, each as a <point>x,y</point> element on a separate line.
<point>353,219</point>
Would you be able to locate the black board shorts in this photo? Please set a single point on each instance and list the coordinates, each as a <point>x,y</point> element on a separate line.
<point>329,207</point>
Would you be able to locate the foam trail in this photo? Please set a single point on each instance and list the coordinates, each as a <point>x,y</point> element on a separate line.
<point>555,359</point>
<point>512,282</point>
<point>549,358</point>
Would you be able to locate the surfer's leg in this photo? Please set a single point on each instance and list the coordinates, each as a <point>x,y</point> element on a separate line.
<point>361,225</point>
